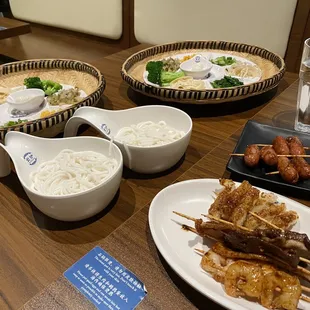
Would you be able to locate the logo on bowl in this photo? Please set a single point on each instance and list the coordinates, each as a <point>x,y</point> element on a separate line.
<point>105,128</point>
<point>197,59</point>
<point>30,158</point>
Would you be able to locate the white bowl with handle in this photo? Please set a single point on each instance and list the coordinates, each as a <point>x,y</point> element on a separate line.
<point>28,152</point>
<point>197,67</point>
<point>146,160</point>
<point>26,100</point>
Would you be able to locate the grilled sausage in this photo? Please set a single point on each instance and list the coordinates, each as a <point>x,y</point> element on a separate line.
<point>269,156</point>
<point>280,146</point>
<point>295,145</point>
<point>252,155</point>
<point>293,139</point>
<point>287,170</point>
<point>302,167</point>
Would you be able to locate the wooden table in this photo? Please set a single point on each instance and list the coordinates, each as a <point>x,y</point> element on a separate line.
<point>13,28</point>
<point>36,250</point>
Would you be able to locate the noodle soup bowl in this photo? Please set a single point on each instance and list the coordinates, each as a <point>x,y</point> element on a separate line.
<point>28,152</point>
<point>147,160</point>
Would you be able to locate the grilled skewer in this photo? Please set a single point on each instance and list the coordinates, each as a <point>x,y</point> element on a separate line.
<point>262,145</point>
<point>220,272</point>
<point>215,232</point>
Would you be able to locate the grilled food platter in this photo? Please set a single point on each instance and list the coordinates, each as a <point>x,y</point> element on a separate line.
<point>282,156</point>
<point>241,246</point>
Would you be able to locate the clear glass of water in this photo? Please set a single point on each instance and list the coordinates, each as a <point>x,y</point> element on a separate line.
<point>302,121</point>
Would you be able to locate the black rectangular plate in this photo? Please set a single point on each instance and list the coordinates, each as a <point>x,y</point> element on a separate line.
<point>256,133</point>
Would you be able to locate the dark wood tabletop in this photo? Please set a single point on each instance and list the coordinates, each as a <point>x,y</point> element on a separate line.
<point>12,27</point>
<point>36,250</point>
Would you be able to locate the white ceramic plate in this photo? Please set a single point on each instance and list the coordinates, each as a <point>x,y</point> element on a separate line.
<point>216,73</point>
<point>5,109</point>
<point>177,246</point>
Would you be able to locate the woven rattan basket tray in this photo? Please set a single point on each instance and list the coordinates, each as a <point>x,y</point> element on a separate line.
<point>271,65</point>
<point>72,72</point>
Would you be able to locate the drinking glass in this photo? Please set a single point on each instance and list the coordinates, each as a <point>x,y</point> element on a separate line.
<point>302,120</point>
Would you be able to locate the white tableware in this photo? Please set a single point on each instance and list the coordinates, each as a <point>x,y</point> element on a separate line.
<point>177,246</point>
<point>28,152</point>
<point>197,67</point>
<point>26,100</point>
<point>140,159</point>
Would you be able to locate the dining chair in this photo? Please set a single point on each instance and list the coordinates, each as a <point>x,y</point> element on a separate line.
<point>97,17</point>
<point>264,23</point>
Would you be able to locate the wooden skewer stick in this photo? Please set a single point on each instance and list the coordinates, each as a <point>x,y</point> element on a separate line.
<point>306,289</point>
<point>305,147</point>
<point>265,221</point>
<point>200,251</point>
<point>273,172</point>
<point>304,270</point>
<point>305,298</point>
<point>189,228</point>
<point>225,222</point>
<point>185,216</point>
<point>303,156</point>
<point>259,144</point>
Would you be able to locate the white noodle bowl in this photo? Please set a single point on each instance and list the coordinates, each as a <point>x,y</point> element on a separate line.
<point>72,172</point>
<point>147,134</point>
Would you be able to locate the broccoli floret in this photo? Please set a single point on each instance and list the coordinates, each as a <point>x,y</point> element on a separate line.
<point>168,77</point>
<point>33,82</point>
<point>154,69</point>
<point>50,87</point>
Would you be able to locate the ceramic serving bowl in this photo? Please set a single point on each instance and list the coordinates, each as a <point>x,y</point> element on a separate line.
<point>26,100</point>
<point>197,67</point>
<point>28,152</point>
<point>152,159</point>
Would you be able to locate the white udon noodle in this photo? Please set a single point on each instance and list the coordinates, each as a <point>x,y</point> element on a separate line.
<point>72,172</point>
<point>147,134</point>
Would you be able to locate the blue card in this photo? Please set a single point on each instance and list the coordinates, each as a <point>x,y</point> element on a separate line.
<point>105,282</point>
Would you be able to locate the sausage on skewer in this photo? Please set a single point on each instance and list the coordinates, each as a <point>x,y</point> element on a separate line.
<point>302,167</point>
<point>280,146</point>
<point>252,155</point>
<point>287,170</point>
<point>295,146</point>
<point>269,156</point>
